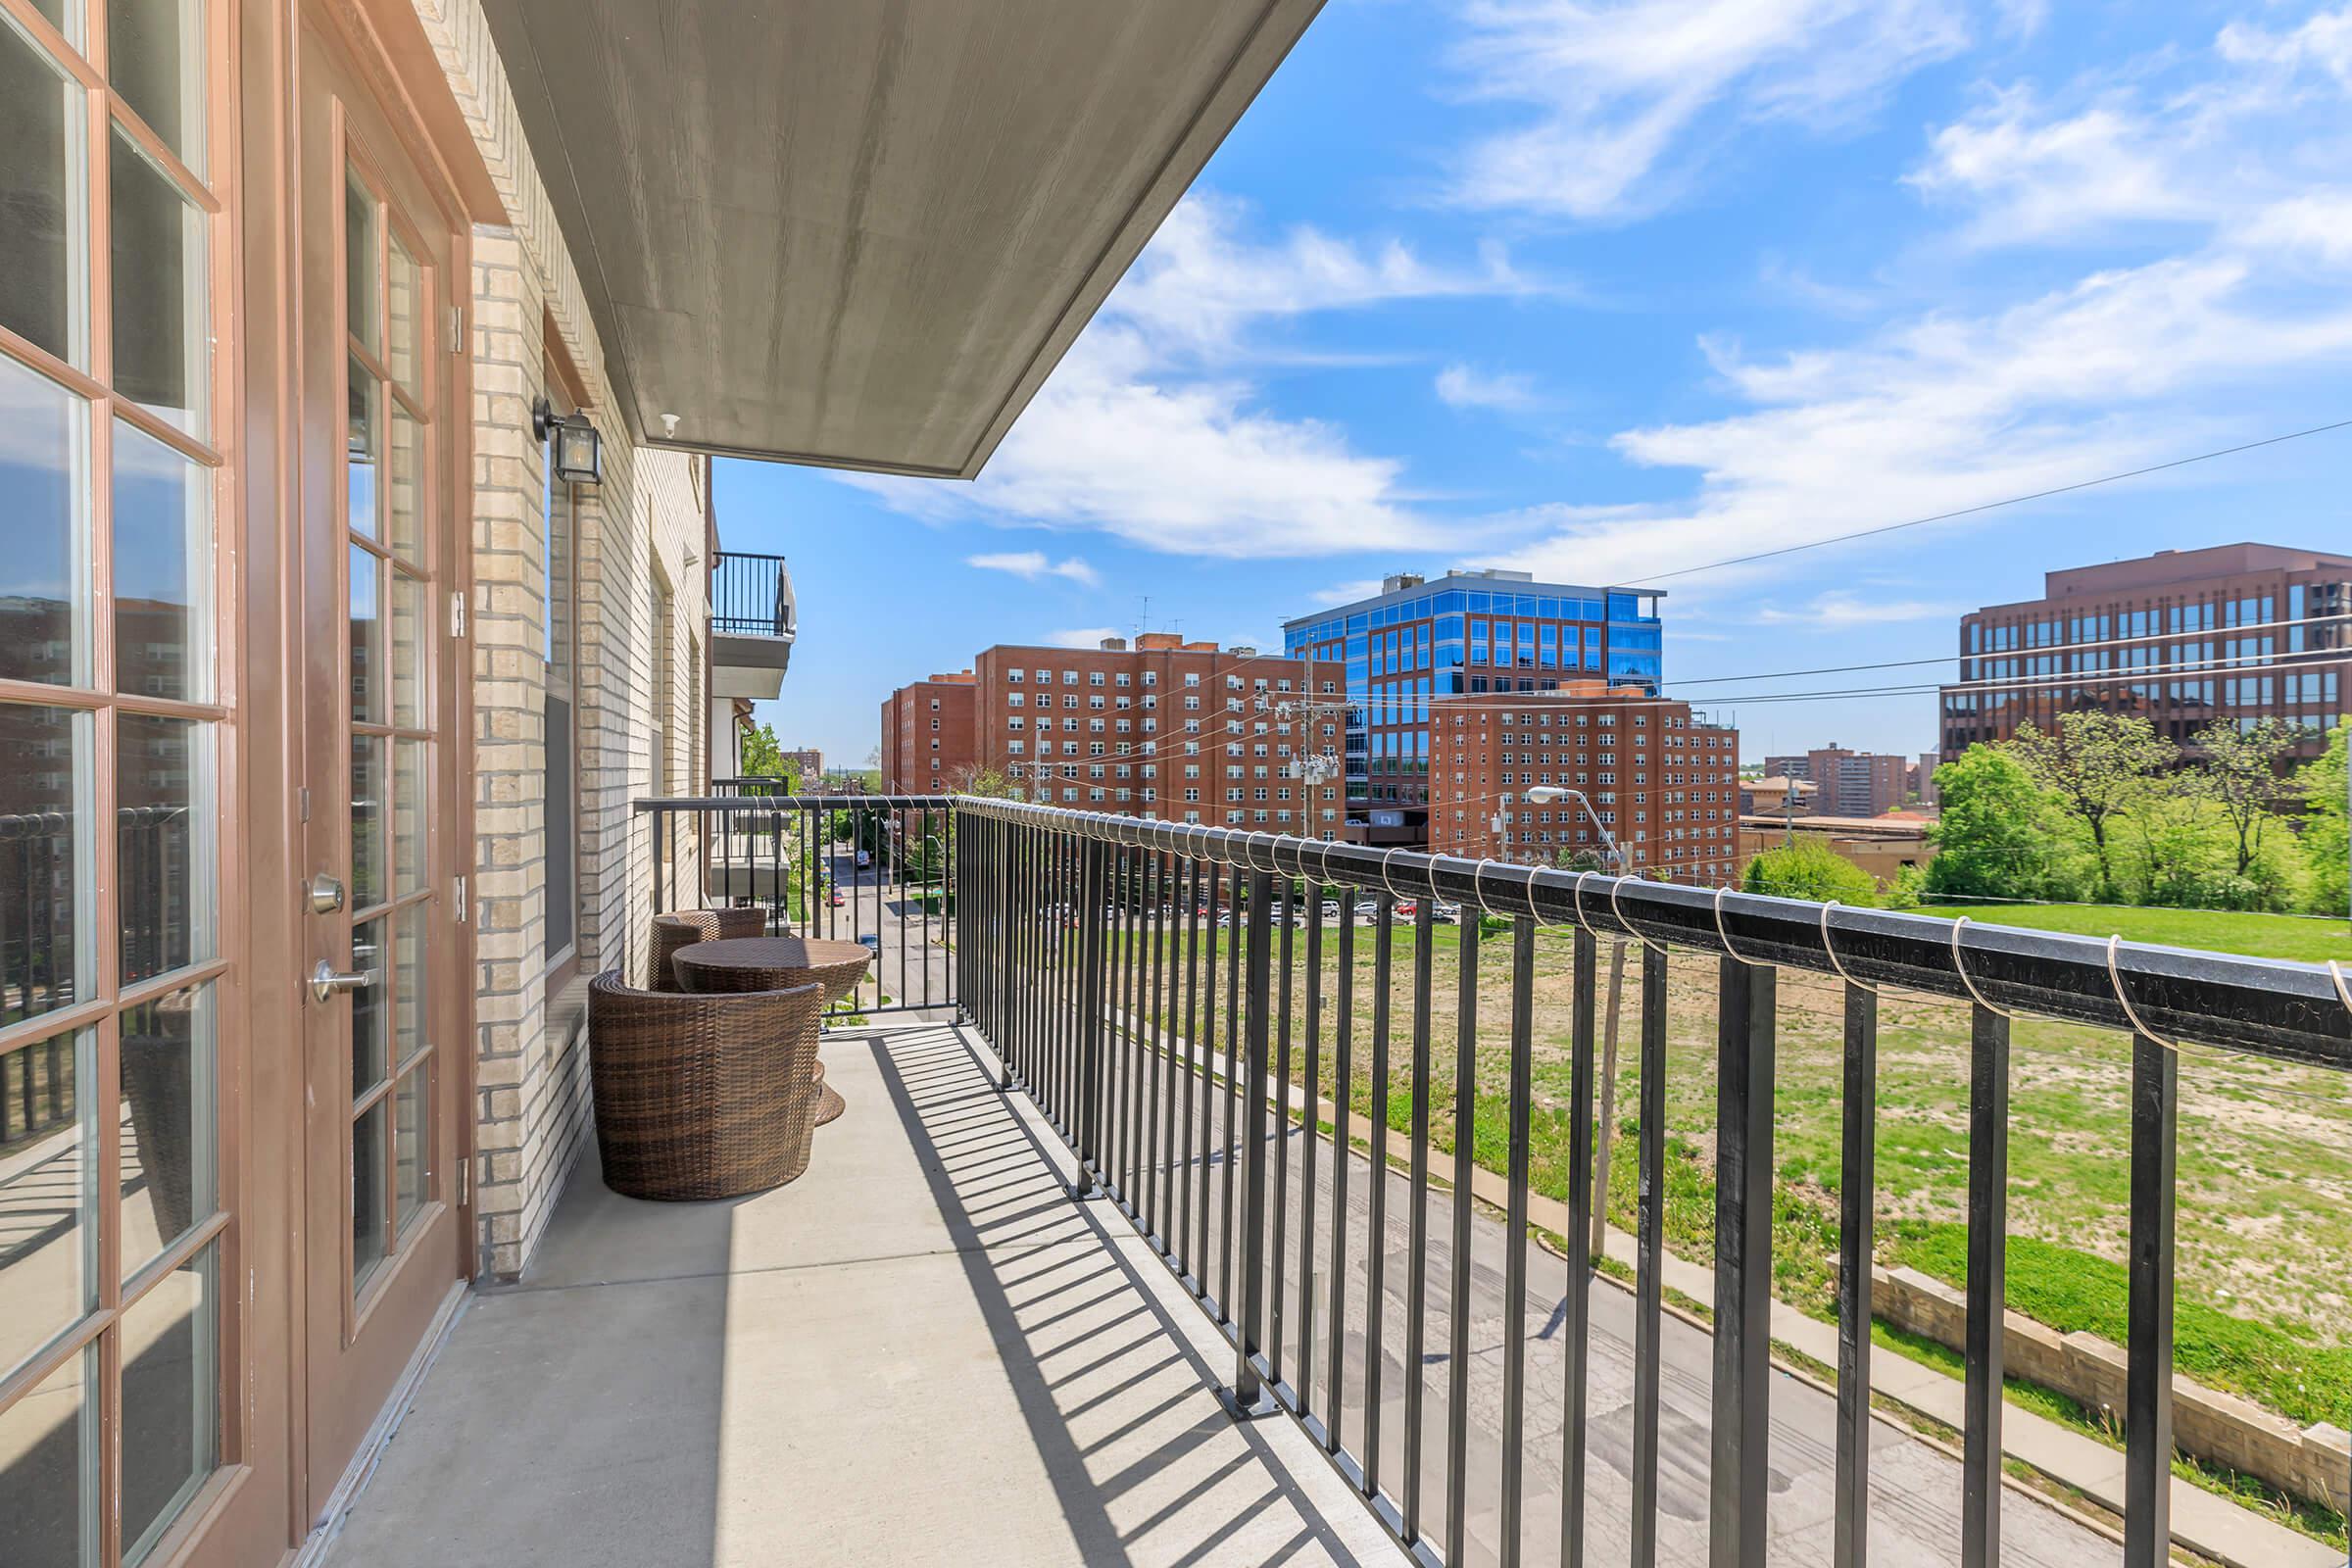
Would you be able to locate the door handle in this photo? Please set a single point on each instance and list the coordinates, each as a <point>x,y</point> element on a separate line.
<point>327,980</point>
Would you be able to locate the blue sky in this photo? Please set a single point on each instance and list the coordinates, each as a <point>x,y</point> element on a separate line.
<point>1603,291</point>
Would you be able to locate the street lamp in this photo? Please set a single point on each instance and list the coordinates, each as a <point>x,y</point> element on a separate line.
<point>1547,794</point>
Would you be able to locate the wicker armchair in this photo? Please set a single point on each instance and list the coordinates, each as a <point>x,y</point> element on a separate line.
<point>701,1096</point>
<point>681,927</point>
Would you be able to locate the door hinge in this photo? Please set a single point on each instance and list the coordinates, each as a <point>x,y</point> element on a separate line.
<point>466,1180</point>
<point>457,330</point>
<point>457,614</point>
<point>458,905</point>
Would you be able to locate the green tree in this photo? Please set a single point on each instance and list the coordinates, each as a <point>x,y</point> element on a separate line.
<point>2098,765</point>
<point>2325,844</point>
<point>1812,870</point>
<point>2245,774</point>
<point>764,758</point>
<point>1993,838</point>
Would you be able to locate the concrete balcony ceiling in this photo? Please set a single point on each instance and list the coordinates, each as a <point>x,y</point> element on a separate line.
<point>862,235</point>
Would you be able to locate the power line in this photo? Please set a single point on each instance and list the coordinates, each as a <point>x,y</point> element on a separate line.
<point>2201,635</point>
<point>1988,506</point>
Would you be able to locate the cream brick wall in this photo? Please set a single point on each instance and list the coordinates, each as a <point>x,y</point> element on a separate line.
<point>643,525</point>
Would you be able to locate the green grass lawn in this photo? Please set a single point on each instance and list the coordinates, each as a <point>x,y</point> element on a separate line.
<point>2265,1219</point>
<point>2258,936</point>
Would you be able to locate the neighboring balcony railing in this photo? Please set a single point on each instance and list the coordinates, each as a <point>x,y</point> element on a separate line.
<point>751,596</point>
<point>1087,949</point>
<point>870,868</point>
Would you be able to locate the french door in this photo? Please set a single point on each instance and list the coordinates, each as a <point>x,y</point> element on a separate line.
<point>379,550</point>
<point>125,1345</point>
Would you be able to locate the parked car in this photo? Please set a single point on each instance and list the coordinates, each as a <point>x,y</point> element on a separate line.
<point>1445,913</point>
<point>837,901</point>
<point>872,939</point>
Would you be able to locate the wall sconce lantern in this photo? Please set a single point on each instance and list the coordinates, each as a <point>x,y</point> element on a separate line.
<point>579,455</point>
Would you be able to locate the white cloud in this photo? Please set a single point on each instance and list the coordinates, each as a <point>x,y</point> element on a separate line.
<point>1200,285</point>
<point>2323,41</point>
<point>2032,175</point>
<point>1347,593</point>
<point>2317,226</point>
<point>1946,412</point>
<point>1145,430</point>
<point>2207,137</point>
<point>1619,91</point>
<point>1835,611</point>
<point>1080,636</point>
<point>1463,387</point>
<point>1031,564</point>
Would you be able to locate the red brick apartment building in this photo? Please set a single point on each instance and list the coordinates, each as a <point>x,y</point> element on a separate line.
<point>1185,732</point>
<point>1665,783</point>
<point>927,736</point>
<point>2181,638</point>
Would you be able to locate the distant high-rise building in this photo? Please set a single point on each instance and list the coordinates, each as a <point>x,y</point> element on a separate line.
<point>1922,780</point>
<point>1465,634</point>
<point>2181,638</point>
<point>1847,783</point>
<point>1661,780</point>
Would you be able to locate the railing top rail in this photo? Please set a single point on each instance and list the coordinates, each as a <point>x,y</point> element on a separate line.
<point>747,554</point>
<point>774,802</point>
<point>2272,1007</point>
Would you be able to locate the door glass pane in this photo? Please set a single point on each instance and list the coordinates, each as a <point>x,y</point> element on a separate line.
<point>42,574</point>
<point>358,260</point>
<point>155,58</point>
<point>411,1028</point>
<point>44,870</point>
<point>170,1416</point>
<point>168,1110</point>
<point>163,842</point>
<point>404,487</point>
<point>162,570</point>
<point>408,816</point>
<point>369,957</point>
<point>360,450</point>
<point>47,1229</point>
<point>367,1193</point>
<point>159,298</point>
<point>411,1171</point>
<point>366,638</point>
<point>48,1450</point>
<point>408,649</point>
<point>367,886</point>
<point>41,183</point>
<point>403,298</point>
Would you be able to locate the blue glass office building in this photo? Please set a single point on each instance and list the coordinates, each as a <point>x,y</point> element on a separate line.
<point>1465,632</point>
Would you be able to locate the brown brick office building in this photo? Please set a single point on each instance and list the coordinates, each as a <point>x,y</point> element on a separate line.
<point>1184,732</point>
<point>2181,638</point>
<point>1663,782</point>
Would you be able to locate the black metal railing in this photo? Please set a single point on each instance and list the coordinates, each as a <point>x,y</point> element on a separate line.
<point>751,595</point>
<point>1088,949</point>
<point>871,868</point>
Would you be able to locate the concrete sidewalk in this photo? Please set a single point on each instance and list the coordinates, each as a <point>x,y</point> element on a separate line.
<point>920,1353</point>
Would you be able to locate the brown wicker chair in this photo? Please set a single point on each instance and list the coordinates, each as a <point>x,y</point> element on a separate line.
<point>679,927</point>
<point>701,1096</point>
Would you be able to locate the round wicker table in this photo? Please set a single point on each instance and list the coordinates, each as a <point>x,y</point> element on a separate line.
<point>777,963</point>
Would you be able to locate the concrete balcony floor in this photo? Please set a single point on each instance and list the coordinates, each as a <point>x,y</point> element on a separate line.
<point>921,1352</point>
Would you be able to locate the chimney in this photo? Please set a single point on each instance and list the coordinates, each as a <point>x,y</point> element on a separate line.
<point>1114,645</point>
